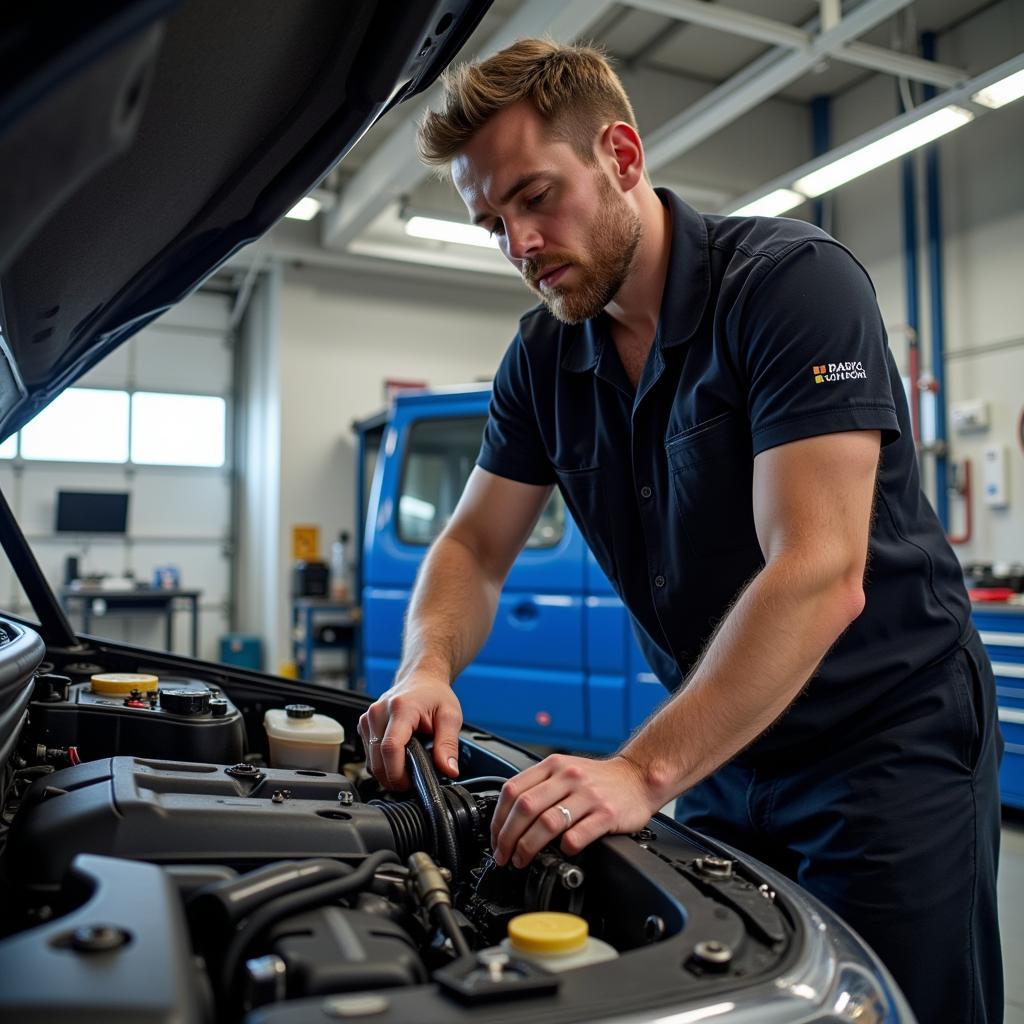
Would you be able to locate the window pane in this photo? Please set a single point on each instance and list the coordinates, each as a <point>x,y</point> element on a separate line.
<point>178,430</point>
<point>441,456</point>
<point>81,425</point>
<point>9,448</point>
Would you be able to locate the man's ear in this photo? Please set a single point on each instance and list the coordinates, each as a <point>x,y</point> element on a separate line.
<point>620,145</point>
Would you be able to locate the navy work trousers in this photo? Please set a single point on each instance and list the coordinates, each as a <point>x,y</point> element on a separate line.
<point>894,824</point>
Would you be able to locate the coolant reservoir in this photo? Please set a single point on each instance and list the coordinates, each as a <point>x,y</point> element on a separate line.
<point>300,738</point>
<point>555,941</point>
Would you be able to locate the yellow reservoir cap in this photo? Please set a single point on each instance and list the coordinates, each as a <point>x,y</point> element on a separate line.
<point>118,684</point>
<point>547,932</point>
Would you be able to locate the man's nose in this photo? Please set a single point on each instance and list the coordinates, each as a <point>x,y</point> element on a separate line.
<point>523,240</point>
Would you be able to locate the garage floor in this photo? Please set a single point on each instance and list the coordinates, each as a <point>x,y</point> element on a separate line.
<point>1011,916</point>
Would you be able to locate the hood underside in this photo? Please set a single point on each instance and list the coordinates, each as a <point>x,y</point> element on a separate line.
<point>141,144</point>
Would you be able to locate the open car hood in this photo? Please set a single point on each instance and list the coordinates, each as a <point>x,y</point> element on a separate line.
<point>143,143</point>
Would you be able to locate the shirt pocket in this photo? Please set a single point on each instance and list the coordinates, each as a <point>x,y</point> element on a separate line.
<point>711,470</point>
<point>586,494</point>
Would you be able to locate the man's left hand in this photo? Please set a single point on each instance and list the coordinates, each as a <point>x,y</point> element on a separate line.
<point>600,797</point>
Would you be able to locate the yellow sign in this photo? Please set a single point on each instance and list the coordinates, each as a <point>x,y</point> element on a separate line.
<point>306,543</point>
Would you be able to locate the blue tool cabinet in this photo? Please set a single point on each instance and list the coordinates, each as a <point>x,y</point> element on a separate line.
<point>1002,632</point>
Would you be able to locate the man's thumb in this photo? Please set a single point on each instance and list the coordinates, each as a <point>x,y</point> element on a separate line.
<point>446,748</point>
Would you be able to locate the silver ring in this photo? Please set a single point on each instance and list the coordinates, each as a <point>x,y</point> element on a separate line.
<point>375,739</point>
<point>566,813</point>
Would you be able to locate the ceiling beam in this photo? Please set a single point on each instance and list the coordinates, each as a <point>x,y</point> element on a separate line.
<point>393,169</point>
<point>777,33</point>
<point>961,95</point>
<point>755,83</point>
<point>902,65</point>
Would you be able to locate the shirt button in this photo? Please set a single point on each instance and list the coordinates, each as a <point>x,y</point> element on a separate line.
<point>659,581</point>
<point>645,491</point>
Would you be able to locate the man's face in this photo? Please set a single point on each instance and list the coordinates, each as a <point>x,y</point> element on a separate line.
<point>561,222</point>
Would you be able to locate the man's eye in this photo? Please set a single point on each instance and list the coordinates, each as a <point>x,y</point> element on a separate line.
<point>495,229</point>
<point>537,199</point>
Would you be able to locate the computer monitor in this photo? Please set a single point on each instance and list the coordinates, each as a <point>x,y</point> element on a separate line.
<point>92,512</point>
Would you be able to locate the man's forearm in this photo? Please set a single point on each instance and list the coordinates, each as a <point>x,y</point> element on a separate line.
<point>766,649</point>
<point>451,612</point>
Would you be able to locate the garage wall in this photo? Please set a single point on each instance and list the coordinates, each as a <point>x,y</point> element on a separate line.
<point>982,172</point>
<point>176,515</point>
<point>341,336</point>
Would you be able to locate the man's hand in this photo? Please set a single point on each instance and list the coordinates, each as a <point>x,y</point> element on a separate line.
<point>421,702</point>
<point>600,796</point>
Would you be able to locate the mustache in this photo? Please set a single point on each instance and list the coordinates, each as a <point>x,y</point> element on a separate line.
<point>534,270</point>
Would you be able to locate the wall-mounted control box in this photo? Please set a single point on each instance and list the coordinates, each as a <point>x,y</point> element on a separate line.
<point>995,474</point>
<point>971,416</point>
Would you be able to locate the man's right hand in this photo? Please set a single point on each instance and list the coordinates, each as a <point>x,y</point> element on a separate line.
<point>421,702</point>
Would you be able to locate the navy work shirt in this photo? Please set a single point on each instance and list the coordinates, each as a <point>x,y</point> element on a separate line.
<point>769,331</point>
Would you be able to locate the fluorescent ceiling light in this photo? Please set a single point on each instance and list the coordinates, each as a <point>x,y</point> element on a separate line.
<point>772,205</point>
<point>304,209</point>
<point>1000,93</point>
<point>885,149</point>
<point>449,231</point>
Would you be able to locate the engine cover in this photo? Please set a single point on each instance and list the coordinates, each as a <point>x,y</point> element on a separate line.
<point>178,812</point>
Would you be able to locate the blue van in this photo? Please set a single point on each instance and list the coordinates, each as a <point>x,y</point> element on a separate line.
<point>561,667</point>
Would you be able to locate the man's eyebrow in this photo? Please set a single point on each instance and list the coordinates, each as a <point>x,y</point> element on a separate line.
<point>524,181</point>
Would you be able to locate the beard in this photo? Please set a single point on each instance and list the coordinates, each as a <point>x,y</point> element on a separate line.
<point>614,236</point>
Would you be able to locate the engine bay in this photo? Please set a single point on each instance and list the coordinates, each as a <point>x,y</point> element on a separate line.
<point>158,865</point>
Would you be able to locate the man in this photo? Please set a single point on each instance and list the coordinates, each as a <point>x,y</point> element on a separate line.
<point>716,401</point>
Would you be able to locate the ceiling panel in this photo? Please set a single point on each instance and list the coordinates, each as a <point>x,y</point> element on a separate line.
<point>793,12</point>
<point>632,33</point>
<point>705,53</point>
<point>834,77</point>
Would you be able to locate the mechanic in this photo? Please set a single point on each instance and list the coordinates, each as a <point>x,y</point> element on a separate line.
<point>716,400</point>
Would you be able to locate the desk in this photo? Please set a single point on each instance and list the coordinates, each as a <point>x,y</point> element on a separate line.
<point>147,599</point>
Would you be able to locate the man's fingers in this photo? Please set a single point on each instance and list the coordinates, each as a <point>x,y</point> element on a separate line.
<point>547,826</point>
<point>376,722</point>
<point>583,833</point>
<point>447,723</point>
<point>400,727</point>
<point>530,807</point>
<point>510,793</point>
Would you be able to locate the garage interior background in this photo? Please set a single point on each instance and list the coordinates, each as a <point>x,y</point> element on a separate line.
<point>298,333</point>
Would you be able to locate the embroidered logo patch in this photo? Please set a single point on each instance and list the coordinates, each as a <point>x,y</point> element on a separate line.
<point>826,373</point>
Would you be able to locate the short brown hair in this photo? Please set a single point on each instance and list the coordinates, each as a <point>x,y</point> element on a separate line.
<point>572,88</point>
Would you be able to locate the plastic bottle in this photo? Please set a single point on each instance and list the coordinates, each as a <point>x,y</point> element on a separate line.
<point>554,941</point>
<point>300,738</point>
<point>341,589</point>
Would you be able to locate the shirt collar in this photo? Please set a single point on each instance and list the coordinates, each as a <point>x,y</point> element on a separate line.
<point>687,287</point>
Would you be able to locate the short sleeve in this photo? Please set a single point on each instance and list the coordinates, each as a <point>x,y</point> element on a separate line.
<point>814,349</point>
<point>512,445</point>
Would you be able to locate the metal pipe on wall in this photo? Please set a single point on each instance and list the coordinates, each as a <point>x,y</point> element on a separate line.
<point>821,132</point>
<point>910,268</point>
<point>937,303</point>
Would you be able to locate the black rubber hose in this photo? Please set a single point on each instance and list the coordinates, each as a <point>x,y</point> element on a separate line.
<point>293,903</point>
<point>220,906</point>
<point>442,829</point>
<point>451,928</point>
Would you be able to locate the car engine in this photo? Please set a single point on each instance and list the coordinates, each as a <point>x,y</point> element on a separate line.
<point>156,866</point>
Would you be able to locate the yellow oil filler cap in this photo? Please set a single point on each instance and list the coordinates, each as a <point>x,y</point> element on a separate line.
<point>120,684</point>
<point>547,932</point>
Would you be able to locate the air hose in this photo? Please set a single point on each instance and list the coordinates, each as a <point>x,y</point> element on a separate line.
<point>442,828</point>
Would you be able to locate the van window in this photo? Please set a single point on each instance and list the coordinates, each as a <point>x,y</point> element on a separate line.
<point>440,457</point>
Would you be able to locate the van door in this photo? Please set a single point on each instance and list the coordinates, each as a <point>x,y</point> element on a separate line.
<point>528,680</point>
